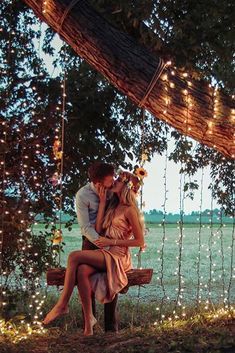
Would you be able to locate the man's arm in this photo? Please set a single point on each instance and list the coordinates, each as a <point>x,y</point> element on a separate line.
<point>83,219</point>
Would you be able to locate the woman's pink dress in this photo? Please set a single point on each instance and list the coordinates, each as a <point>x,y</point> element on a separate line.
<point>107,284</point>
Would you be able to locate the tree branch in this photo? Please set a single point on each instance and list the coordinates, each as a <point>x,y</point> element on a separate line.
<point>191,108</point>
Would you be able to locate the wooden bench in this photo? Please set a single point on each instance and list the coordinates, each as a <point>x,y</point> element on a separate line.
<point>136,277</point>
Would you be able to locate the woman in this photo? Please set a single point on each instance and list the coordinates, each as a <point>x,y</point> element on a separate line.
<point>103,271</point>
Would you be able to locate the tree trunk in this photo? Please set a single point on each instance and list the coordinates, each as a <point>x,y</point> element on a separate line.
<point>193,108</point>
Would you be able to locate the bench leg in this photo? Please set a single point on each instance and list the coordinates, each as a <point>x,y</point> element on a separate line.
<point>111,318</point>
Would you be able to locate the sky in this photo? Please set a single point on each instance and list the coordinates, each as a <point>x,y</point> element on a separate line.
<point>153,190</point>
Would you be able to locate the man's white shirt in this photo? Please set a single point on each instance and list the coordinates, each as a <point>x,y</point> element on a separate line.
<point>87,204</point>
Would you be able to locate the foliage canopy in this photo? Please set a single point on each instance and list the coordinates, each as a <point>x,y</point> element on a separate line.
<point>100,123</point>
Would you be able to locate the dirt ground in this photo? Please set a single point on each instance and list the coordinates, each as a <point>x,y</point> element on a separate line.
<point>217,337</point>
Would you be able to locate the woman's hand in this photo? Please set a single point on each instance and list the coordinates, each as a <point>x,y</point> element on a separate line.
<point>102,242</point>
<point>102,192</point>
<point>143,248</point>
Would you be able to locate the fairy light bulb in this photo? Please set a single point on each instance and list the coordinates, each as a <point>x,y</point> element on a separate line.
<point>44,7</point>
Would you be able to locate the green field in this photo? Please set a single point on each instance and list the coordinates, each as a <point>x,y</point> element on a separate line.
<point>215,270</point>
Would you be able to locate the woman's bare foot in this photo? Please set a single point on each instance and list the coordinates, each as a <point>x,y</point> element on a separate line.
<point>89,326</point>
<point>56,312</point>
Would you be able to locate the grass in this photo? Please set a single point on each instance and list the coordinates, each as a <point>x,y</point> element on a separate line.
<point>215,268</point>
<point>132,313</point>
<point>140,309</point>
<point>199,334</point>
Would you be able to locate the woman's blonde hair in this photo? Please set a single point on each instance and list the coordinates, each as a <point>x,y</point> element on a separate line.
<point>127,198</point>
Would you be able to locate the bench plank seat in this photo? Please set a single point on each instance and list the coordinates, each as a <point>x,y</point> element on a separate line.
<point>136,277</point>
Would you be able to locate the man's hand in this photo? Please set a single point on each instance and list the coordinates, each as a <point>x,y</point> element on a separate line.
<point>102,192</point>
<point>102,242</point>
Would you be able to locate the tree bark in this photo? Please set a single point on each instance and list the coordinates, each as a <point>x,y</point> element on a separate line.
<point>136,276</point>
<point>188,105</point>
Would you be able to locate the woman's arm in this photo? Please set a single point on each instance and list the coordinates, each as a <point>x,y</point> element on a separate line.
<point>137,231</point>
<point>101,209</point>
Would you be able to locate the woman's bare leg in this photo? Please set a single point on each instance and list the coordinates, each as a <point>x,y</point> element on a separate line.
<point>84,287</point>
<point>94,258</point>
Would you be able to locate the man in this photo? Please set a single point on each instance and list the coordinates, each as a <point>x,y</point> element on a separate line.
<point>87,203</point>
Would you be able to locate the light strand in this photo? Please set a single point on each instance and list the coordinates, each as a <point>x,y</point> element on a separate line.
<point>164,235</point>
<point>3,165</point>
<point>221,237</point>
<point>180,240</point>
<point>210,256</point>
<point>200,242</point>
<point>142,161</point>
<point>232,269</point>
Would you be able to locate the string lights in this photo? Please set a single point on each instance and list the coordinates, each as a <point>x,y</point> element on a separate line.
<point>232,267</point>
<point>141,174</point>
<point>220,235</point>
<point>200,273</point>
<point>210,254</point>
<point>164,235</point>
<point>56,180</point>
<point>3,140</point>
<point>178,272</point>
<point>3,212</point>
<point>161,251</point>
<point>199,232</point>
<point>44,7</point>
<point>26,242</point>
<point>21,183</point>
<point>179,307</point>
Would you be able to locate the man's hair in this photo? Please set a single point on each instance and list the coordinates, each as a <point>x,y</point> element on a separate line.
<point>98,171</point>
